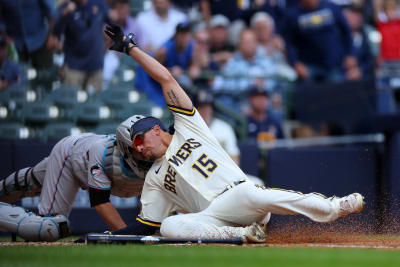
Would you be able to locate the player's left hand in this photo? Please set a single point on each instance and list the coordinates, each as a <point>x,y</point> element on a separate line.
<point>117,35</point>
<point>121,41</point>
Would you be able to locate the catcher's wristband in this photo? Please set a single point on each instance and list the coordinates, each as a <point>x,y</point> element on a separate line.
<point>129,40</point>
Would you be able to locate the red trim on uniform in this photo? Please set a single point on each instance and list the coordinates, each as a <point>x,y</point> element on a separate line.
<point>58,180</point>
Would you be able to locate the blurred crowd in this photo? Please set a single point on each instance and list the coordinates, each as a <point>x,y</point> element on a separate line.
<point>241,53</point>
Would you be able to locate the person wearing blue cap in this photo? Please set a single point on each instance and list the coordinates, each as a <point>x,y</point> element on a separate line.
<point>260,124</point>
<point>10,71</point>
<point>193,176</point>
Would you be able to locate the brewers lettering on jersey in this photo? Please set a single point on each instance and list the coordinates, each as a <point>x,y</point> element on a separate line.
<point>195,179</point>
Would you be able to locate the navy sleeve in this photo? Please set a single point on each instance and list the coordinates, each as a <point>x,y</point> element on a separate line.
<point>289,33</point>
<point>98,196</point>
<point>344,28</point>
<point>280,134</point>
<point>49,9</point>
<point>60,23</point>
<point>106,10</point>
<point>138,227</point>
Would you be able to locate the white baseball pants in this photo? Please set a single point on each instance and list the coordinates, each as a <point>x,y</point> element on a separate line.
<point>244,204</point>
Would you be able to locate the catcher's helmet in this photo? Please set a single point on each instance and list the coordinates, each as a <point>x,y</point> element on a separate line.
<point>124,143</point>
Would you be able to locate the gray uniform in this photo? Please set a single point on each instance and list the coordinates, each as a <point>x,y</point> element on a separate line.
<point>79,161</point>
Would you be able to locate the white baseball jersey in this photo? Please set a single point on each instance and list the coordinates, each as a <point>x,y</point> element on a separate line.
<point>194,170</point>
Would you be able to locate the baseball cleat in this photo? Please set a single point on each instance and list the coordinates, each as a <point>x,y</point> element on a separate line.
<point>256,233</point>
<point>353,203</point>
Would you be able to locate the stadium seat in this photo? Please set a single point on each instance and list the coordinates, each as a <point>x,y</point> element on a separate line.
<point>106,128</point>
<point>17,93</point>
<point>14,131</point>
<point>124,103</point>
<point>128,110</point>
<point>92,113</point>
<point>56,131</point>
<point>115,97</point>
<point>39,113</point>
<point>65,97</point>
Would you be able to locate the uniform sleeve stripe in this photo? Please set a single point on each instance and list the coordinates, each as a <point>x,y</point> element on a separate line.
<point>155,224</point>
<point>183,111</point>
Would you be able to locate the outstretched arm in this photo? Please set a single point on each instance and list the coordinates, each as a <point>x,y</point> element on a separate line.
<point>173,92</point>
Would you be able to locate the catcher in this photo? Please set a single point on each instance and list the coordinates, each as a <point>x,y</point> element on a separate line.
<point>103,164</point>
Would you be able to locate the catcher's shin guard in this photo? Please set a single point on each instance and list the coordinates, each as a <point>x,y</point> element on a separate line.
<point>30,226</point>
<point>20,184</point>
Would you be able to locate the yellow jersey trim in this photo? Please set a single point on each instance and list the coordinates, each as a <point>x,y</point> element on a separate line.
<point>149,223</point>
<point>184,111</point>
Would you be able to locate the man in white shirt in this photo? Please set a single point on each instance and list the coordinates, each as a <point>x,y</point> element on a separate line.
<point>222,131</point>
<point>159,23</point>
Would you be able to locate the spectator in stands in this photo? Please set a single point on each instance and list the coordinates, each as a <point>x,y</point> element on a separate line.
<point>81,22</point>
<point>159,23</point>
<point>223,132</point>
<point>29,23</point>
<point>387,17</point>
<point>277,108</point>
<point>202,60</point>
<point>319,43</point>
<point>177,53</point>
<point>129,24</point>
<point>220,48</point>
<point>272,7</point>
<point>271,44</point>
<point>246,67</point>
<point>260,125</point>
<point>227,8</point>
<point>10,72</point>
<point>264,27</point>
<point>362,49</point>
<point>185,5</point>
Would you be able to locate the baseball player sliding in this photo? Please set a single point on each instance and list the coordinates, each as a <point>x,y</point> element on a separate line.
<point>100,163</point>
<point>193,176</point>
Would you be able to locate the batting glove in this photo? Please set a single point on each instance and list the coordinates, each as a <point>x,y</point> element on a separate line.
<point>117,35</point>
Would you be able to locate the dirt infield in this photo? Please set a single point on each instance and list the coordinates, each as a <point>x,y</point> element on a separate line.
<point>293,239</point>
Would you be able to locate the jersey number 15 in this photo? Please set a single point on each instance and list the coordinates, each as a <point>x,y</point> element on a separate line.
<point>208,165</point>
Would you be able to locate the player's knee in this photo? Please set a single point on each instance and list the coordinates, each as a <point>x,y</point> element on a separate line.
<point>168,227</point>
<point>30,226</point>
<point>172,226</point>
<point>37,228</point>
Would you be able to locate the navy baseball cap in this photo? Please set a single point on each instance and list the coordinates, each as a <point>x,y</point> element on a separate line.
<point>182,27</point>
<point>203,97</point>
<point>144,125</point>
<point>256,90</point>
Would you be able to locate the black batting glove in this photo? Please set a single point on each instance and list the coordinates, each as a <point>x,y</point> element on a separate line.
<point>117,35</point>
